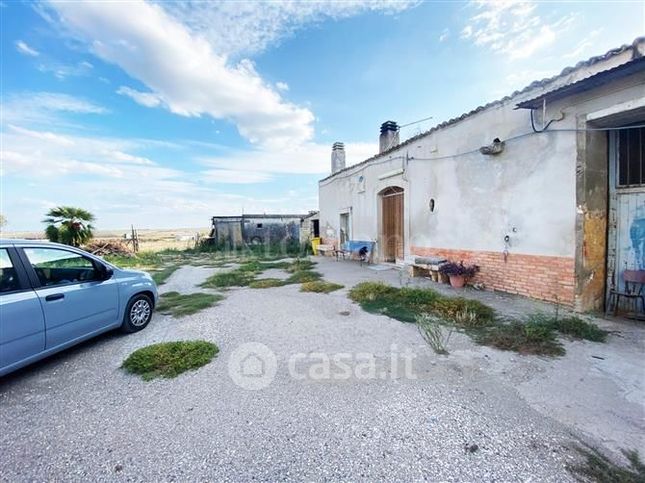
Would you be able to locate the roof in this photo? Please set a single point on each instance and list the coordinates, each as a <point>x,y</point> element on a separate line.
<point>276,215</point>
<point>585,84</point>
<point>636,47</point>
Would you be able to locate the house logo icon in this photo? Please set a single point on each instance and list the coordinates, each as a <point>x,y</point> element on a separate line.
<point>252,366</point>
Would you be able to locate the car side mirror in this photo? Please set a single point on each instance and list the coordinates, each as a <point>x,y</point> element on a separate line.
<point>106,272</point>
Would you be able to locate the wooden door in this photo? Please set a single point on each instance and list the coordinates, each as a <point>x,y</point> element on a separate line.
<point>392,236</point>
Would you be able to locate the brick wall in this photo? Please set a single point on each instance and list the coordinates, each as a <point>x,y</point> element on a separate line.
<point>540,277</point>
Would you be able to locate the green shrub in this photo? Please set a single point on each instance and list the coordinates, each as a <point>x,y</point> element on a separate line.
<point>169,359</point>
<point>320,286</point>
<point>179,305</point>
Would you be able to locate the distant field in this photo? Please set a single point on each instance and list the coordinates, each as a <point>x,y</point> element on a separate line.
<point>149,240</point>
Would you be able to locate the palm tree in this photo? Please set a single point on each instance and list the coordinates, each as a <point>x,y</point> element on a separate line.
<point>69,225</point>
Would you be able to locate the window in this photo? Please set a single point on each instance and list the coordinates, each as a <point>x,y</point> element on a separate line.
<point>8,275</point>
<point>60,267</point>
<point>259,225</point>
<point>631,157</point>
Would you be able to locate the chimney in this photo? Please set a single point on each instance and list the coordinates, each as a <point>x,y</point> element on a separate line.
<point>337,157</point>
<point>389,136</point>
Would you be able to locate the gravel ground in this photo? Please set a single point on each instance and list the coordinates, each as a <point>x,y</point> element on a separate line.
<point>78,416</point>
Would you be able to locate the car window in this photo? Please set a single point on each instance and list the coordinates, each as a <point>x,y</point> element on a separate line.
<point>8,276</point>
<point>59,267</point>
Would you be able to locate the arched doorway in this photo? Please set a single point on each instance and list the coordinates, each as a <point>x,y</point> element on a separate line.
<point>392,242</point>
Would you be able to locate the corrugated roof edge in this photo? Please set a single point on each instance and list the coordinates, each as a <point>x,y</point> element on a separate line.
<point>532,85</point>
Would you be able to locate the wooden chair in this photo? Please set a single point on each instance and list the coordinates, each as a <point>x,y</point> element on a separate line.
<point>634,283</point>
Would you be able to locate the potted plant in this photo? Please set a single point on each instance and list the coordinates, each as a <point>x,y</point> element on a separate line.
<point>458,273</point>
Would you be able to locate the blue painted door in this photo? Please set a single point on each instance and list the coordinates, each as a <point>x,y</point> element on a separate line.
<point>22,326</point>
<point>626,243</point>
<point>76,303</point>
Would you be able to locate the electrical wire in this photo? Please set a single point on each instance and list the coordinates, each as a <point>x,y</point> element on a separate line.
<point>544,128</point>
<point>415,122</point>
<point>514,138</point>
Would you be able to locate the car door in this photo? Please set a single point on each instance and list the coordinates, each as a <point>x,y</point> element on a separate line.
<point>22,325</point>
<point>76,301</point>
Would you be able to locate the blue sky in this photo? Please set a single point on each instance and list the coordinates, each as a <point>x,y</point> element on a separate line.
<point>164,114</point>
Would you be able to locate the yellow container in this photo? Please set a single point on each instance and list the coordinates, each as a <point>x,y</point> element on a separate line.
<point>314,244</point>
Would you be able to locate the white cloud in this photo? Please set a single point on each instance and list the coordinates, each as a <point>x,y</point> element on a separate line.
<point>45,107</point>
<point>23,48</point>
<point>235,28</point>
<point>232,176</point>
<point>105,176</point>
<point>512,27</point>
<point>282,86</point>
<point>309,158</point>
<point>444,35</point>
<point>184,72</point>
<point>148,99</point>
<point>62,71</point>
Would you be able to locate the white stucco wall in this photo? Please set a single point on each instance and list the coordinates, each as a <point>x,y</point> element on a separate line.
<point>528,192</point>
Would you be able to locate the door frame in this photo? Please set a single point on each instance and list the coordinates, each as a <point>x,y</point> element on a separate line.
<point>382,193</point>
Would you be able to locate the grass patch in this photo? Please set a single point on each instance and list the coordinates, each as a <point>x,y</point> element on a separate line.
<point>304,276</point>
<point>320,286</point>
<point>266,283</point>
<point>525,338</point>
<point>407,304</point>
<point>178,305</point>
<point>571,326</point>
<point>169,359</point>
<point>234,278</point>
<point>597,467</point>
<point>160,276</point>
<point>299,265</point>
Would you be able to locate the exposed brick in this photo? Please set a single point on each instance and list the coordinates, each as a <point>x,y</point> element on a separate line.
<point>540,277</point>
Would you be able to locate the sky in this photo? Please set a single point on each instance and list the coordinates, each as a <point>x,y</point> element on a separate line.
<point>163,114</point>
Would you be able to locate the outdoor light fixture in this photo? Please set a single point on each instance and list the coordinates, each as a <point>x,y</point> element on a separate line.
<point>496,147</point>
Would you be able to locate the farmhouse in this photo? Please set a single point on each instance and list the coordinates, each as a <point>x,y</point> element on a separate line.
<point>543,189</point>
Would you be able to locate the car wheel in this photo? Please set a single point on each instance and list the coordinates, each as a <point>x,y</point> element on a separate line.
<point>137,314</point>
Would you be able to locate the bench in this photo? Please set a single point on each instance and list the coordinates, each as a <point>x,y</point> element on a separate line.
<point>361,249</point>
<point>429,266</point>
<point>325,249</point>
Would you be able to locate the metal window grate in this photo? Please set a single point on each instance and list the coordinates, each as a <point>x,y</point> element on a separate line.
<point>631,157</point>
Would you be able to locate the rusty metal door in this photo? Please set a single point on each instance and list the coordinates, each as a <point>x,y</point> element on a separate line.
<point>626,234</point>
<point>392,235</point>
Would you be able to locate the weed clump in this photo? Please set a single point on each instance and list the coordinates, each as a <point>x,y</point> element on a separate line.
<point>597,467</point>
<point>169,359</point>
<point>525,338</point>
<point>406,304</point>
<point>320,286</point>
<point>234,278</point>
<point>266,283</point>
<point>303,276</point>
<point>179,305</point>
<point>160,276</point>
<point>571,326</point>
<point>434,333</point>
